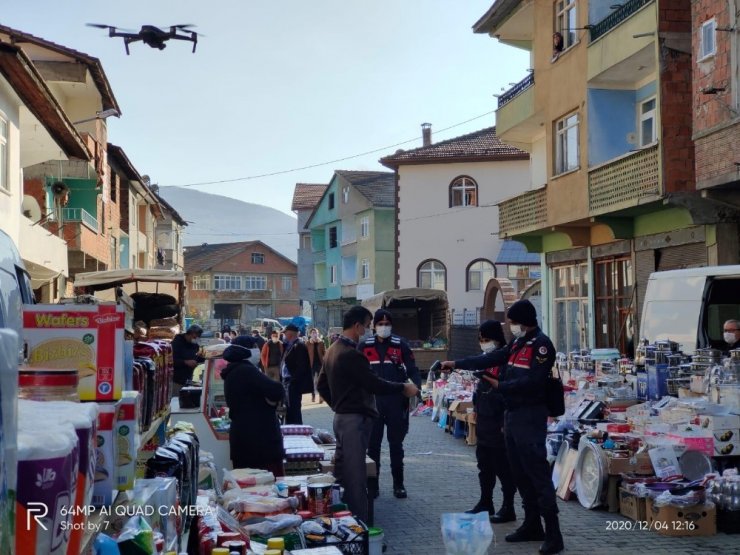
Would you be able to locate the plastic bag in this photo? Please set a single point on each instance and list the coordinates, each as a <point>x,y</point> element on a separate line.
<point>273,525</point>
<point>136,538</point>
<point>466,534</point>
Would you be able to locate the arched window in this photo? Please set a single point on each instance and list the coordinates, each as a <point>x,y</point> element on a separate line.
<point>463,192</point>
<point>432,275</point>
<point>479,273</point>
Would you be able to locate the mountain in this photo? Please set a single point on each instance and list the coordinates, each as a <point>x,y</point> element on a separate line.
<point>219,219</point>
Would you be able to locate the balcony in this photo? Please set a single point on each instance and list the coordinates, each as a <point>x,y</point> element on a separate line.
<point>516,121</point>
<point>320,294</point>
<point>142,242</point>
<point>523,213</point>
<point>622,51</point>
<point>624,182</point>
<point>616,18</point>
<point>319,256</point>
<point>80,215</point>
<point>349,291</point>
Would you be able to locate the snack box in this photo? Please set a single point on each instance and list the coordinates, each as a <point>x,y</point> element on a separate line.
<point>88,338</point>
<point>726,442</point>
<point>720,422</point>
<point>105,455</point>
<point>126,438</point>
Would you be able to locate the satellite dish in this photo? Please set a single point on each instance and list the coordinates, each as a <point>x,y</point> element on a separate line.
<point>31,208</point>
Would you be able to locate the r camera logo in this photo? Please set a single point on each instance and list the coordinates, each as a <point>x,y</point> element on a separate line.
<point>38,511</point>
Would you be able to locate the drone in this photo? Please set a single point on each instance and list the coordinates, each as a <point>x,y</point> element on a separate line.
<point>151,35</point>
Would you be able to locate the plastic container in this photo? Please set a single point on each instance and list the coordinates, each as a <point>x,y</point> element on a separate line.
<point>48,384</point>
<point>375,541</point>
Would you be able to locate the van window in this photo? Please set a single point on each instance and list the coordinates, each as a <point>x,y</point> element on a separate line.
<point>25,286</point>
<point>722,304</point>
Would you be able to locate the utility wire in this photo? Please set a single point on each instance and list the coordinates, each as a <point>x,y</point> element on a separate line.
<point>311,166</point>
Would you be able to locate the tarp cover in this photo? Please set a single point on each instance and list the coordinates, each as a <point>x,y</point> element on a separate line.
<point>385,298</point>
<point>111,278</point>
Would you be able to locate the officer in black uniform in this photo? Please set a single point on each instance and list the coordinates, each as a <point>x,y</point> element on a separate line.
<point>490,449</point>
<point>529,359</point>
<point>391,359</point>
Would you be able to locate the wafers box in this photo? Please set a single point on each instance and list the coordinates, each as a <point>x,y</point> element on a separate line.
<point>88,338</point>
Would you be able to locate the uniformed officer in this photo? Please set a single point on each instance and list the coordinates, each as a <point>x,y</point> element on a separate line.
<point>529,359</point>
<point>391,359</point>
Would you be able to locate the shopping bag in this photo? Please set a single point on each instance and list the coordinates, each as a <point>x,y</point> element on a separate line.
<point>466,534</point>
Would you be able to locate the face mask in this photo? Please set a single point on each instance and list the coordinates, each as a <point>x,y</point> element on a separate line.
<point>517,331</point>
<point>367,333</point>
<point>275,340</point>
<point>383,331</point>
<point>254,358</point>
<point>487,346</point>
<point>729,337</point>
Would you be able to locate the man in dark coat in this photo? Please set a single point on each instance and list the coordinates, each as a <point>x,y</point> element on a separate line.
<point>296,373</point>
<point>185,356</point>
<point>255,438</point>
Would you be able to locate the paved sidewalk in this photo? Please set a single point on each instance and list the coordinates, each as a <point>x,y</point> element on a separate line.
<point>441,476</point>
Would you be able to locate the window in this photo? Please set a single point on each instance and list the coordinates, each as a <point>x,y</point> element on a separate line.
<point>463,192</point>
<point>331,201</point>
<point>332,237</point>
<point>4,155</point>
<point>570,300</point>
<point>479,273</point>
<point>365,268</point>
<point>566,144</point>
<point>432,275</point>
<point>565,21</point>
<point>287,283</point>
<point>201,282</point>
<point>333,274</point>
<point>306,242</point>
<point>647,122</point>
<point>226,282</point>
<point>708,45</point>
<point>365,226</point>
<point>613,289</point>
<point>258,258</point>
<point>255,283</point>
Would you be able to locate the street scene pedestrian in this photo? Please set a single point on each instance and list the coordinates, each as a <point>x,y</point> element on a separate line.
<point>295,373</point>
<point>391,359</point>
<point>349,386</point>
<point>316,353</point>
<point>185,349</point>
<point>271,356</point>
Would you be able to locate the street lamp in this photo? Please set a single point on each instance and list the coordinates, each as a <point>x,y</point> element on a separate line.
<point>100,115</point>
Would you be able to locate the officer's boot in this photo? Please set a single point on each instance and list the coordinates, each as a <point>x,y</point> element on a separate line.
<point>506,512</point>
<point>373,487</point>
<point>485,503</point>
<point>399,490</point>
<point>531,529</point>
<point>553,538</point>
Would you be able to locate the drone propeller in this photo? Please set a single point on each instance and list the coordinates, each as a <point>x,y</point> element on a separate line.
<point>182,26</point>
<point>100,25</point>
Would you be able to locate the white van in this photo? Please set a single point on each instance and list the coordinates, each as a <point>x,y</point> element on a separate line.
<point>690,306</point>
<point>263,324</point>
<point>15,286</point>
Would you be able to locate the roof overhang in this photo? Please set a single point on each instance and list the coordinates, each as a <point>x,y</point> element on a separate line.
<point>394,164</point>
<point>510,21</point>
<point>31,88</point>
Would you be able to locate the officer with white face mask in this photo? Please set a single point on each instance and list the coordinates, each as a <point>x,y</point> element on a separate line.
<point>392,359</point>
<point>529,359</point>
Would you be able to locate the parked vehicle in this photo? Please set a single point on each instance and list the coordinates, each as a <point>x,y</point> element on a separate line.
<point>15,285</point>
<point>690,306</point>
<point>421,316</point>
<point>264,323</point>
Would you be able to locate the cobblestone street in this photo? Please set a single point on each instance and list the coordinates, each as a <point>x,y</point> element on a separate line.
<point>441,476</point>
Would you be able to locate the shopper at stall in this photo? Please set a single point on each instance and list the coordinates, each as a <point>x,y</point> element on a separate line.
<point>316,353</point>
<point>731,334</point>
<point>185,356</point>
<point>258,339</point>
<point>348,384</point>
<point>529,358</point>
<point>272,354</point>
<point>490,449</point>
<point>296,373</point>
<point>390,358</point>
<point>255,439</point>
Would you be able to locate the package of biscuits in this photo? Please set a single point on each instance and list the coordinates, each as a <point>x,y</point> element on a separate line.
<point>86,338</point>
<point>126,437</point>
<point>9,346</point>
<point>105,455</point>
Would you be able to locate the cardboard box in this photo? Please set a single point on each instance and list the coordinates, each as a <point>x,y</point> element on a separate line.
<point>726,443</point>
<point>632,506</point>
<point>669,520</point>
<point>722,422</point>
<point>88,338</point>
<point>618,463</point>
<point>460,407</point>
<point>642,464</point>
<point>105,456</point>
<point>698,440</point>
<point>664,461</point>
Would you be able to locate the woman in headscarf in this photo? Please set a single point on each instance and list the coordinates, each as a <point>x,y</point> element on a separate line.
<point>255,438</point>
<point>316,352</point>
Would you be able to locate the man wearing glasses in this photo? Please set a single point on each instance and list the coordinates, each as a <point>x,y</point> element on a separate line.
<point>731,334</point>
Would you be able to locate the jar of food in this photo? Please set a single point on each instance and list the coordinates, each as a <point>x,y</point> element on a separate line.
<point>48,384</point>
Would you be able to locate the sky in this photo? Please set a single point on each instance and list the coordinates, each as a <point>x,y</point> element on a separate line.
<point>281,84</point>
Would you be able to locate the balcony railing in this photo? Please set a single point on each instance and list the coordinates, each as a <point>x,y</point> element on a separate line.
<point>522,213</point>
<point>80,215</point>
<point>319,256</point>
<point>320,294</point>
<point>616,17</point>
<point>624,181</point>
<point>517,89</point>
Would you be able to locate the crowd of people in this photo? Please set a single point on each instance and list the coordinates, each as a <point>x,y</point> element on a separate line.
<point>367,378</point>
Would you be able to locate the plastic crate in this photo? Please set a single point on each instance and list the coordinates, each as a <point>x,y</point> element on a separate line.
<point>359,546</point>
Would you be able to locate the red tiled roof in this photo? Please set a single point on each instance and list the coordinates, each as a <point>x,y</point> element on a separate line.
<point>481,145</point>
<point>307,195</point>
<point>204,257</point>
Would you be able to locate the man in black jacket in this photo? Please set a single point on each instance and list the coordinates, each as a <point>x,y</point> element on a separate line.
<point>529,359</point>
<point>296,373</point>
<point>185,356</point>
<point>349,386</point>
